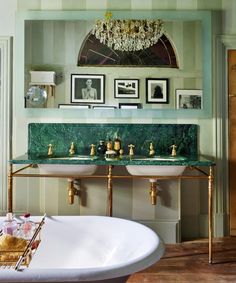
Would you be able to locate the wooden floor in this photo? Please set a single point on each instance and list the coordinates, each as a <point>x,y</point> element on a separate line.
<point>187,262</point>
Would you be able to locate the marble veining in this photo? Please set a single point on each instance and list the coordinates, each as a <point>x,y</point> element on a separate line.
<point>60,135</point>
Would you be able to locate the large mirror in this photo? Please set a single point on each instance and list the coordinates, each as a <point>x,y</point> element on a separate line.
<point>56,73</point>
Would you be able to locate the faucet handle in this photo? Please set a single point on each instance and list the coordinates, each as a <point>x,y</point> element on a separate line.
<point>72,149</point>
<point>50,150</point>
<point>173,152</point>
<point>151,149</point>
<point>131,149</point>
<point>92,150</point>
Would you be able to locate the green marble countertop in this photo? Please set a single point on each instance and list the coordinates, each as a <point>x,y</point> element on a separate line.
<point>120,161</point>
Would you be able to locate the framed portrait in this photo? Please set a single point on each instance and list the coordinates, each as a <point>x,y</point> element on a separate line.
<point>73,106</point>
<point>156,90</point>
<point>189,99</point>
<point>87,88</point>
<point>126,88</point>
<point>130,105</point>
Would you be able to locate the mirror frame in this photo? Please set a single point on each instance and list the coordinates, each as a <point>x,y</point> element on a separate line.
<point>205,17</point>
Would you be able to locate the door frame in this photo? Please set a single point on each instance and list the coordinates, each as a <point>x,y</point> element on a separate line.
<point>5,116</point>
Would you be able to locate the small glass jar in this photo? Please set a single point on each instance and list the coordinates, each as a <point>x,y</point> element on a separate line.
<point>10,225</point>
<point>27,228</point>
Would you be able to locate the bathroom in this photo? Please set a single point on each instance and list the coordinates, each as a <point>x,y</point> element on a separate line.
<point>130,201</point>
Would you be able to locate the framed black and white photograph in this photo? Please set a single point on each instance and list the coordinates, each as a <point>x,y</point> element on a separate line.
<point>189,99</point>
<point>130,105</point>
<point>87,88</point>
<point>126,88</point>
<point>73,106</point>
<point>156,90</point>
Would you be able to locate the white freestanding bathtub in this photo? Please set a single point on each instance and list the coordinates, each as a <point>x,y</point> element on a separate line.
<point>89,249</point>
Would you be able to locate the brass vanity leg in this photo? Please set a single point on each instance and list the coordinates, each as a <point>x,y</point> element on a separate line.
<point>109,191</point>
<point>210,212</point>
<point>9,193</point>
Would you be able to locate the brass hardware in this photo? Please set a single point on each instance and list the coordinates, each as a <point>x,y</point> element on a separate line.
<point>151,150</point>
<point>121,151</point>
<point>204,175</point>
<point>131,150</point>
<point>72,191</point>
<point>92,150</point>
<point>50,150</point>
<point>153,193</point>
<point>109,145</point>
<point>117,145</point>
<point>72,149</point>
<point>173,153</point>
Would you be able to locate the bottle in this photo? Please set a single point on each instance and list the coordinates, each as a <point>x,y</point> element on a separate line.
<point>101,149</point>
<point>27,227</point>
<point>117,145</point>
<point>10,225</point>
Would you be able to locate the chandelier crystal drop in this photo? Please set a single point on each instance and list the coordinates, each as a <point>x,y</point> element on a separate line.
<point>128,35</point>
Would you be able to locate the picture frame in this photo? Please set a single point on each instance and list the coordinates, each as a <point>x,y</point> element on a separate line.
<point>87,88</point>
<point>189,99</point>
<point>130,105</point>
<point>126,88</point>
<point>157,90</point>
<point>104,107</point>
<point>73,106</point>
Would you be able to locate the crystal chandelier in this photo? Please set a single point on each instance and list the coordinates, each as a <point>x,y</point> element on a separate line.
<point>127,35</point>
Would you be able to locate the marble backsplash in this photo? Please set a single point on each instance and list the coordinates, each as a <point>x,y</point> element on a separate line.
<point>60,135</point>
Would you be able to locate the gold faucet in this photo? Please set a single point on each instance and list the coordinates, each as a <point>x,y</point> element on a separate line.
<point>151,150</point>
<point>173,153</point>
<point>72,149</point>
<point>92,150</point>
<point>131,150</point>
<point>50,150</point>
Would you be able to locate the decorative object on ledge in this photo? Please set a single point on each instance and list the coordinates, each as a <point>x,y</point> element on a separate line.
<point>128,35</point>
<point>87,88</point>
<point>41,93</point>
<point>189,99</point>
<point>73,106</point>
<point>126,88</point>
<point>156,90</point>
<point>130,105</point>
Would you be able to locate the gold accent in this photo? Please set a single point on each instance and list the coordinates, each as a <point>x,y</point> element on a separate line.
<point>92,150</point>
<point>117,144</point>
<point>109,191</point>
<point>131,150</point>
<point>50,150</point>
<point>109,145</point>
<point>203,175</point>
<point>153,192</point>
<point>151,150</point>
<point>72,191</point>
<point>173,153</point>
<point>121,151</point>
<point>72,149</point>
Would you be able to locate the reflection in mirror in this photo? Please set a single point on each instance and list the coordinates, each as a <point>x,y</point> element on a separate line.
<point>59,45</point>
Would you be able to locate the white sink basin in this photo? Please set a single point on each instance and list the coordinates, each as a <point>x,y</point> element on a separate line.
<point>155,170</point>
<point>163,158</point>
<point>69,169</point>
